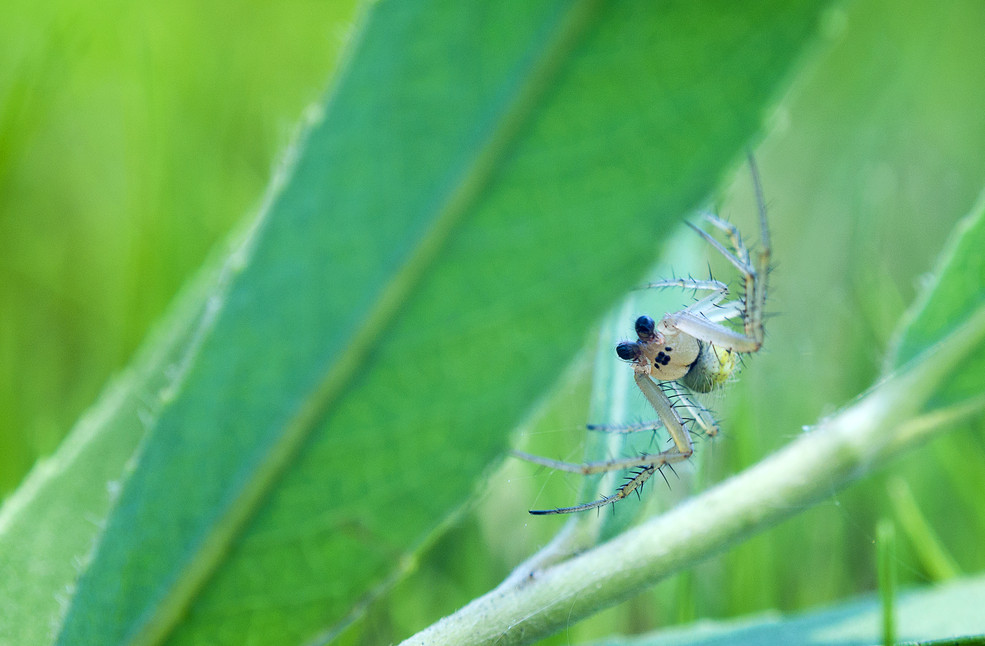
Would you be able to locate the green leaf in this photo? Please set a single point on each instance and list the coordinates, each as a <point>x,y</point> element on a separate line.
<point>479,186</point>
<point>946,611</point>
<point>955,295</point>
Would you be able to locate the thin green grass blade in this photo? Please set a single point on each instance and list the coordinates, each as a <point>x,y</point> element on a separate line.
<point>477,189</point>
<point>887,564</point>
<point>922,537</point>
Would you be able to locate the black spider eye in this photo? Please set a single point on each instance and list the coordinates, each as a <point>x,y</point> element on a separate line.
<point>629,351</point>
<point>645,328</point>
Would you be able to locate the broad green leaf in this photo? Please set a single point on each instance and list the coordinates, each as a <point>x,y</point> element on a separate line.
<point>479,186</point>
<point>951,610</point>
<point>955,295</point>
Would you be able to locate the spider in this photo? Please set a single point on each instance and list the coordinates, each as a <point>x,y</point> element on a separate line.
<point>689,350</point>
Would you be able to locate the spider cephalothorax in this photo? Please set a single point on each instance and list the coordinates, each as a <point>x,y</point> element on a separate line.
<point>668,354</point>
<point>693,349</point>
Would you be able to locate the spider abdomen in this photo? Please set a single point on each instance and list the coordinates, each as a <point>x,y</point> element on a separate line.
<point>711,369</point>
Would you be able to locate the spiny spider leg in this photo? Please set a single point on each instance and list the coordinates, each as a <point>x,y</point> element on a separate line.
<point>753,274</point>
<point>735,258</point>
<point>636,427</point>
<point>703,328</point>
<point>591,468</point>
<point>691,283</point>
<point>650,463</point>
<point>702,416</point>
<point>711,306</point>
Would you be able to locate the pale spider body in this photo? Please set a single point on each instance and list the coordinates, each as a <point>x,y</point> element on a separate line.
<point>696,349</point>
<point>665,353</point>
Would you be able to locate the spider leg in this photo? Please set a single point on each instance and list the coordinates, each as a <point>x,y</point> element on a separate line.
<point>757,297</point>
<point>591,468</point>
<point>711,332</point>
<point>702,416</point>
<point>718,288</point>
<point>725,312</point>
<point>631,485</point>
<point>690,283</point>
<point>740,258</point>
<point>648,463</point>
<point>764,230</point>
<point>654,425</point>
<point>753,273</point>
<point>705,324</point>
<point>754,276</point>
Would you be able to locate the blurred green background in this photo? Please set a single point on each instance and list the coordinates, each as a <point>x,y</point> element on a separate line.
<point>133,137</point>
